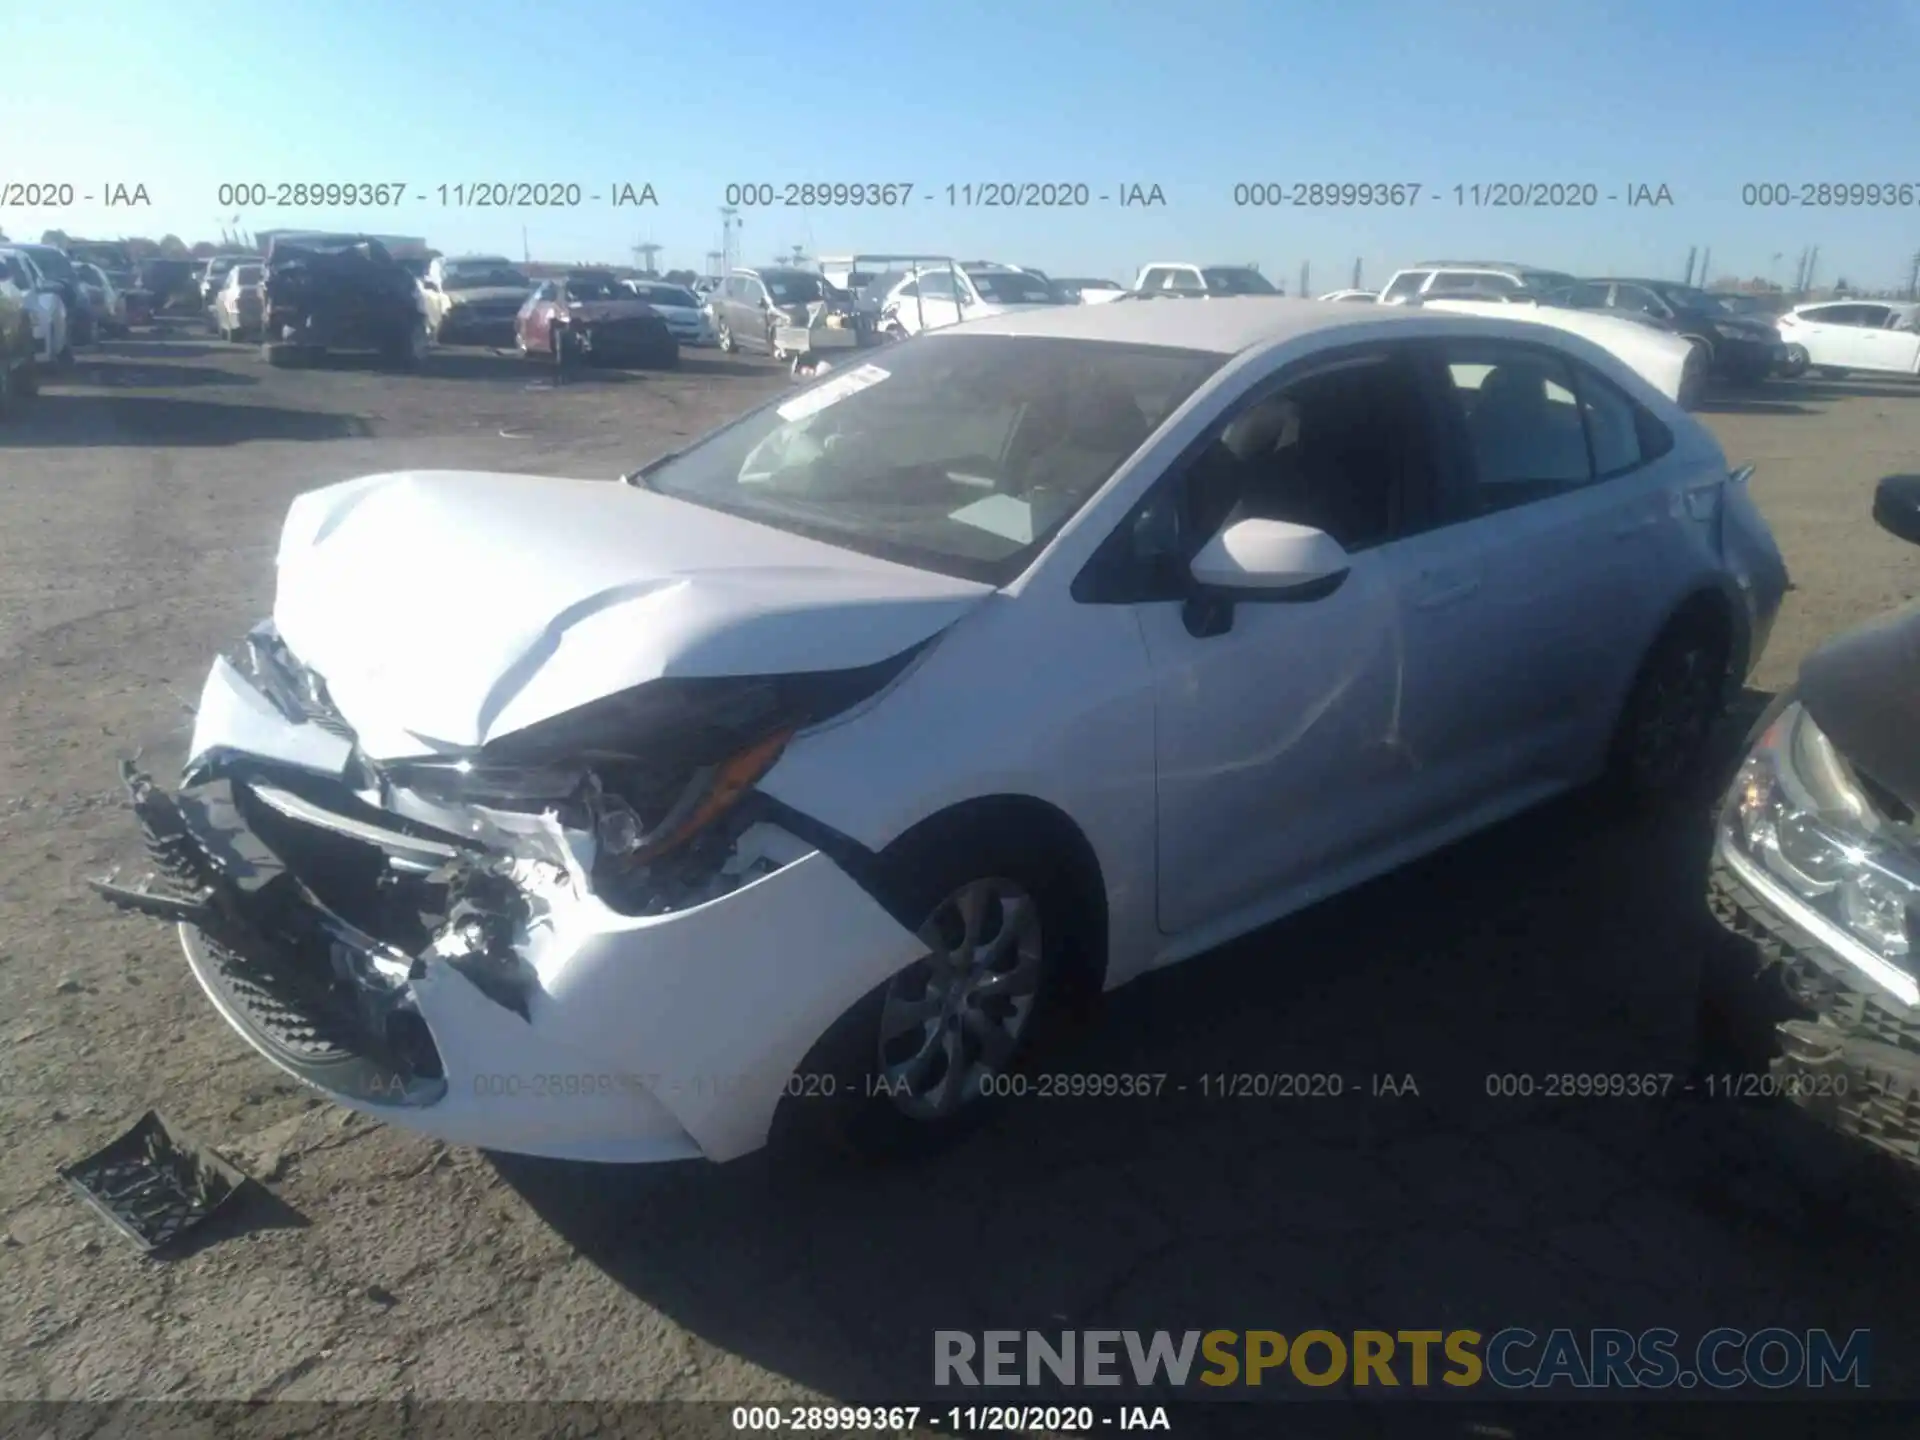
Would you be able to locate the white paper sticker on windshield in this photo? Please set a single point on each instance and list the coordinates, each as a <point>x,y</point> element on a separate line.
<point>832,392</point>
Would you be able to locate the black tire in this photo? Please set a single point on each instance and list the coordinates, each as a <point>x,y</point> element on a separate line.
<point>26,379</point>
<point>64,360</point>
<point>7,389</point>
<point>285,357</point>
<point>1828,372</point>
<point>1794,364</point>
<point>1669,717</point>
<point>407,351</point>
<point>837,1101</point>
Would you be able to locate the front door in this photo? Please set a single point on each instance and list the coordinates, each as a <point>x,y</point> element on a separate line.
<point>1279,738</point>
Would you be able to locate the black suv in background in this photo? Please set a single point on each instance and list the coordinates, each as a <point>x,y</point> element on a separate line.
<point>1741,348</point>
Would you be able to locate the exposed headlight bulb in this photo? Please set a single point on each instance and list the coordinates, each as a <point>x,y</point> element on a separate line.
<point>619,831</point>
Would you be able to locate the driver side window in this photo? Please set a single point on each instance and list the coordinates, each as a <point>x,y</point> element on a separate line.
<point>1347,451</point>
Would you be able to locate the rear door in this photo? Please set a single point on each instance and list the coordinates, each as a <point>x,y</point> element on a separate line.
<point>1550,539</point>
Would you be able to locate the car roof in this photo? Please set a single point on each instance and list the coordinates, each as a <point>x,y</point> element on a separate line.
<point>1229,325</point>
<point>1502,267</point>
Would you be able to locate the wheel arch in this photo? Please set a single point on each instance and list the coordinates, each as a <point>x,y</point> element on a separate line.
<point>1025,824</point>
<point>1715,603</point>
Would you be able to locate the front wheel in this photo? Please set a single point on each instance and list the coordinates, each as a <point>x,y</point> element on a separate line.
<point>726,338</point>
<point>921,1060</point>
<point>1795,362</point>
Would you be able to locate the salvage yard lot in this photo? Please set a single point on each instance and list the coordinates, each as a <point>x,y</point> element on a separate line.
<point>139,503</point>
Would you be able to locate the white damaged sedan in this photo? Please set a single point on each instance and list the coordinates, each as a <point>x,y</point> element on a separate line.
<point>809,776</point>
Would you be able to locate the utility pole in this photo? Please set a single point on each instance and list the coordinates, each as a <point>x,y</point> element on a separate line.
<point>1813,262</point>
<point>799,256</point>
<point>1800,274</point>
<point>1913,277</point>
<point>1303,291</point>
<point>1692,250</point>
<point>526,250</point>
<point>714,260</point>
<point>1356,273</point>
<point>647,253</point>
<point>729,223</point>
<point>1706,266</point>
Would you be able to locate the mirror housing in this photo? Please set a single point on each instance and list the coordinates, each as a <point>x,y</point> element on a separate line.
<point>1250,559</point>
<point>1896,507</point>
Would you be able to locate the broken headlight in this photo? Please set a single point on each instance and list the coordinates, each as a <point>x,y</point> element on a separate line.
<point>1809,833</point>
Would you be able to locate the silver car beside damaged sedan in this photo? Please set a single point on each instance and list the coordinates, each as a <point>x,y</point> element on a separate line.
<point>689,791</point>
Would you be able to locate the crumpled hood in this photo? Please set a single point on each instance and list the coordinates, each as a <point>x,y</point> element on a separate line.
<point>488,295</point>
<point>447,608</point>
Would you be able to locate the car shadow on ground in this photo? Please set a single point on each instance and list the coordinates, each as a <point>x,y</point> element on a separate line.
<point>715,362</point>
<point>56,419</point>
<point>128,373</point>
<point>138,347</point>
<point>1749,404</point>
<point>1564,942</point>
<point>1813,388</point>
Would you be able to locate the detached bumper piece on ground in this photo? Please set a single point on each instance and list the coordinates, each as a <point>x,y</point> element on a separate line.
<point>154,1186</point>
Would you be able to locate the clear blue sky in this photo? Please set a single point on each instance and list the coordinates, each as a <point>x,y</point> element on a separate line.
<point>1192,95</point>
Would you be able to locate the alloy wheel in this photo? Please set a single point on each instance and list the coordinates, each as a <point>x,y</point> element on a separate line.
<point>954,1019</point>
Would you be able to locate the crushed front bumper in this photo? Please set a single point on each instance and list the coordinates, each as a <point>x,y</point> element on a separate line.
<point>1833,1042</point>
<point>636,1038</point>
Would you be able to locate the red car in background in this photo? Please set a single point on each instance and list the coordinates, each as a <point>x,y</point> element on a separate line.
<point>590,318</point>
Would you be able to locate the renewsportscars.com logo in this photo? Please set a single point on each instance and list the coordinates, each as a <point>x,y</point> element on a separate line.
<point>1510,1359</point>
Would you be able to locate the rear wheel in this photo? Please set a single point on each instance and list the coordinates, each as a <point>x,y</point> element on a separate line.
<point>1670,713</point>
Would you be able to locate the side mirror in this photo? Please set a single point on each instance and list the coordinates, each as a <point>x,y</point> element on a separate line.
<point>1262,560</point>
<point>1252,559</point>
<point>1896,507</point>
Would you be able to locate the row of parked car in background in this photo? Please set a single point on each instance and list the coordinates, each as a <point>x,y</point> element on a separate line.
<point>310,293</point>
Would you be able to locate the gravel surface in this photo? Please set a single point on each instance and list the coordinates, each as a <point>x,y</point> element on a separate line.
<point>139,502</point>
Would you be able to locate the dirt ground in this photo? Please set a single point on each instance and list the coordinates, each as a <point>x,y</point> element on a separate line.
<point>138,508</point>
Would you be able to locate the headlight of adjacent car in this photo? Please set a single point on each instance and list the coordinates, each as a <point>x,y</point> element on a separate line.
<point>1799,817</point>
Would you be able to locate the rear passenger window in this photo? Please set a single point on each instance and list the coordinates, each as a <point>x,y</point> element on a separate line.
<point>1525,430</point>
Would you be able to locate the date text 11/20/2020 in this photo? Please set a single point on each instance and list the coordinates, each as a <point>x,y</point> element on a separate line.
<point>1220,1085</point>
<point>458,195</point>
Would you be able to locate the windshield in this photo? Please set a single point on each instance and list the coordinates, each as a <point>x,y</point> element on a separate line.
<point>1683,296</point>
<point>961,454</point>
<point>1239,281</point>
<point>667,295</point>
<point>596,287</point>
<point>495,276</point>
<point>1541,280</point>
<point>1002,287</point>
<point>793,289</point>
